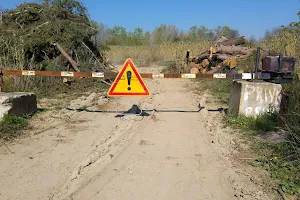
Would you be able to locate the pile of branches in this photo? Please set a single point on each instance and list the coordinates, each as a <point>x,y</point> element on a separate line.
<point>224,54</point>
<point>28,34</point>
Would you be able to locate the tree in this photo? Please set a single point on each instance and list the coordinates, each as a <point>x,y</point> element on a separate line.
<point>226,32</point>
<point>72,6</point>
<point>202,33</point>
<point>117,36</point>
<point>210,35</point>
<point>193,32</point>
<point>158,34</point>
<point>147,40</point>
<point>138,36</point>
<point>102,35</point>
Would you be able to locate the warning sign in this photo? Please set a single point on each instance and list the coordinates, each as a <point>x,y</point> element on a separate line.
<point>128,82</point>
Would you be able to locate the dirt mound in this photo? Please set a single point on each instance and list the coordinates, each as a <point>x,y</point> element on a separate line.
<point>91,101</point>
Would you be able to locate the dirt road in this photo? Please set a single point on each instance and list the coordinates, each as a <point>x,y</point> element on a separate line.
<point>84,155</point>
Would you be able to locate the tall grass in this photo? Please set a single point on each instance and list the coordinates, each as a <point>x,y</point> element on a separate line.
<point>143,55</point>
<point>286,166</point>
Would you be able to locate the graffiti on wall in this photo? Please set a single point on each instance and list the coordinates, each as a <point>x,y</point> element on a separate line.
<point>265,98</point>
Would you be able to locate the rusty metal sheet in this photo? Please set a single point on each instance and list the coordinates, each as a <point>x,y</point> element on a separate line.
<point>12,72</point>
<point>172,76</point>
<point>82,75</point>
<point>204,75</point>
<point>146,75</point>
<point>47,73</point>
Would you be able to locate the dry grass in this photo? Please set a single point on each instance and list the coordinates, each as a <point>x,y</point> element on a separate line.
<point>142,55</point>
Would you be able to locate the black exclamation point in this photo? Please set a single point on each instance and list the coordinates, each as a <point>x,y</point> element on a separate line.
<point>129,79</point>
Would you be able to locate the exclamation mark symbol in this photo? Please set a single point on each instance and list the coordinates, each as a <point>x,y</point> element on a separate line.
<point>129,80</point>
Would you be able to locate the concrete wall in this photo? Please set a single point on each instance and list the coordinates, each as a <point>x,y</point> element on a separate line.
<point>254,98</point>
<point>17,103</point>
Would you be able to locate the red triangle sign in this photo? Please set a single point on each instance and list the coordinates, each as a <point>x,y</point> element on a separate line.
<point>128,82</point>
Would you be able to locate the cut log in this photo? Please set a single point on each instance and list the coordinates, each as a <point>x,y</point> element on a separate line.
<point>214,70</point>
<point>227,52</point>
<point>221,39</point>
<point>236,41</point>
<point>205,63</point>
<point>230,63</point>
<point>224,53</point>
<point>203,70</point>
<point>194,70</point>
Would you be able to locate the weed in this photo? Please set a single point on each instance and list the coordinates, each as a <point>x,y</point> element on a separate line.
<point>261,124</point>
<point>172,67</point>
<point>53,87</point>
<point>281,160</point>
<point>218,88</point>
<point>154,54</point>
<point>11,126</point>
<point>276,161</point>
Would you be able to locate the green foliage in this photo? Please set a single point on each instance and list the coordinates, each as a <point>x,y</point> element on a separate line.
<point>286,175</point>
<point>203,33</point>
<point>119,36</point>
<point>28,32</point>
<point>11,126</point>
<point>275,158</point>
<point>72,6</point>
<point>281,159</point>
<point>262,123</point>
<point>162,34</point>
<point>286,40</point>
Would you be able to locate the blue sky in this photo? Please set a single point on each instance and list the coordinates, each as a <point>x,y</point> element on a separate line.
<point>250,17</point>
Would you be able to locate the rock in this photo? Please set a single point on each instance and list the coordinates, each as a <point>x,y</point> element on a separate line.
<point>17,103</point>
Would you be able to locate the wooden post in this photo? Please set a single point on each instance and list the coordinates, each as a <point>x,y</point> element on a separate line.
<point>1,80</point>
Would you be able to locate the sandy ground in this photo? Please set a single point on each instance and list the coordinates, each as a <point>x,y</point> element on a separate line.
<point>85,155</point>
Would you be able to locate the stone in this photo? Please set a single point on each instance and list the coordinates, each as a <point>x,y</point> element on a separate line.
<point>17,103</point>
<point>254,98</point>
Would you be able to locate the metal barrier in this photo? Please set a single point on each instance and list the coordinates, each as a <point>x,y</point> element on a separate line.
<point>109,75</point>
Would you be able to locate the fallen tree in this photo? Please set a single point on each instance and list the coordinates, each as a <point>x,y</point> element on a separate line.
<point>28,34</point>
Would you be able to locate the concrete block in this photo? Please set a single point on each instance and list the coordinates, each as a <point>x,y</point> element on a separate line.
<point>17,103</point>
<point>254,98</point>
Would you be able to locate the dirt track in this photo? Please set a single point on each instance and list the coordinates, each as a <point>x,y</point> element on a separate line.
<point>81,155</point>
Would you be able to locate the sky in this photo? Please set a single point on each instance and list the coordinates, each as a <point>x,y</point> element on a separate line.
<point>250,17</point>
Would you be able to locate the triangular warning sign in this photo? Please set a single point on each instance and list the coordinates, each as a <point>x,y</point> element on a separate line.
<point>128,82</point>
